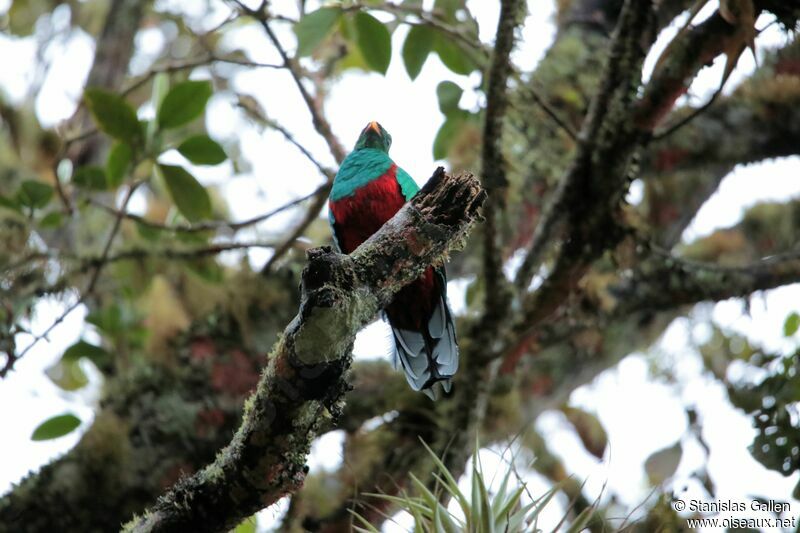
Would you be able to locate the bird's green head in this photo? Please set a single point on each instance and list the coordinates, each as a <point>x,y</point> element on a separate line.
<point>374,136</point>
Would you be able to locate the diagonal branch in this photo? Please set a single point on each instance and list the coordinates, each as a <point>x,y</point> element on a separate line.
<point>584,204</point>
<point>304,382</point>
<point>667,282</point>
<point>215,225</point>
<point>321,124</point>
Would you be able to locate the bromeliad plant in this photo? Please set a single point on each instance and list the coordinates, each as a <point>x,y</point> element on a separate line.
<point>483,511</point>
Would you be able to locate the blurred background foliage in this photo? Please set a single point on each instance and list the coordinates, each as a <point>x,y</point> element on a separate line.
<point>177,326</point>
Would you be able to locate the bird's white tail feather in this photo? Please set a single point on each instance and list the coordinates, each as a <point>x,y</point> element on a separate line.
<point>424,369</point>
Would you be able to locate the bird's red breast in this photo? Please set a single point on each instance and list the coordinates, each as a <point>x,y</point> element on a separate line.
<point>363,213</point>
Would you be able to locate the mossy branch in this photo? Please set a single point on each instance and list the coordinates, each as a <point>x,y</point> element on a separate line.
<point>304,384</point>
<point>666,282</point>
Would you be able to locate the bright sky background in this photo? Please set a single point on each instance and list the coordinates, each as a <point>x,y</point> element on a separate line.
<point>640,413</point>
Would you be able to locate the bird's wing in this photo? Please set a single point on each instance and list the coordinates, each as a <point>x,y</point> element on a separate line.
<point>407,184</point>
<point>333,231</point>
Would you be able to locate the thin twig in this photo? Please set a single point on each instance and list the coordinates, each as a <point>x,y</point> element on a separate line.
<point>11,359</point>
<point>177,66</point>
<point>254,111</point>
<point>321,124</point>
<point>169,253</point>
<point>216,225</point>
<point>311,216</point>
<point>552,113</point>
<point>669,130</point>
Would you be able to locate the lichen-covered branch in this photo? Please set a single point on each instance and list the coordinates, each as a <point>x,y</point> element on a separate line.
<point>666,282</point>
<point>758,121</point>
<point>304,383</point>
<point>492,161</point>
<point>584,205</point>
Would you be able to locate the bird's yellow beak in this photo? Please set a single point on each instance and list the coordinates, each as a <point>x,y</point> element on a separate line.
<point>374,126</point>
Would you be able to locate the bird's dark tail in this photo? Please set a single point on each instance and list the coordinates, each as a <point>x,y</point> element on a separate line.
<point>429,356</point>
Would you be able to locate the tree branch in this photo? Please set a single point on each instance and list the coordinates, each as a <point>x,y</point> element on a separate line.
<point>216,225</point>
<point>321,124</point>
<point>304,383</point>
<point>760,120</point>
<point>493,161</point>
<point>586,200</point>
<point>667,282</point>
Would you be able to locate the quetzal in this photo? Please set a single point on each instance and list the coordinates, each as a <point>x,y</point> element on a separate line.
<point>367,191</point>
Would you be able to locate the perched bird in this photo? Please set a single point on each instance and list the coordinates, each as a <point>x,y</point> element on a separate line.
<point>367,191</point>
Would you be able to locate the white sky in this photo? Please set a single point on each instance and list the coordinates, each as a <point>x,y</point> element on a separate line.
<point>641,414</point>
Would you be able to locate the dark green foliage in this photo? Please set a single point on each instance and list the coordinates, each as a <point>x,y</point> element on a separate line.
<point>374,41</point>
<point>791,325</point>
<point>453,56</point>
<point>202,150</point>
<point>90,177</point>
<point>80,349</point>
<point>113,115</point>
<point>416,48</point>
<point>189,196</point>
<point>34,194</point>
<point>449,94</point>
<point>185,102</point>
<point>117,164</point>
<point>770,403</point>
<point>446,134</point>
<point>312,29</point>
<point>55,427</point>
<point>51,220</point>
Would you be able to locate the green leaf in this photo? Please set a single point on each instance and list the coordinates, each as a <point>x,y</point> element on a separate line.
<point>444,138</point>
<point>449,94</point>
<point>189,196</point>
<point>10,203</point>
<point>791,325</point>
<point>202,150</point>
<point>661,465</point>
<point>113,115</point>
<point>207,270</point>
<point>248,526</point>
<point>119,159</point>
<point>55,427</point>
<point>51,220</point>
<point>148,233</point>
<point>374,41</point>
<point>90,177</point>
<point>589,429</point>
<point>416,48</point>
<point>67,375</point>
<point>184,103</point>
<point>448,8</point>
<point>582,520</point>
<point>312,29</point>
<point>95,354</point>
<point>453,56</point>
<point>160,89</point>
<point>108,319</point>
<point>449,482</point>
<point>34,194</point>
